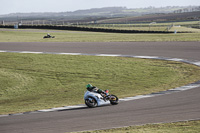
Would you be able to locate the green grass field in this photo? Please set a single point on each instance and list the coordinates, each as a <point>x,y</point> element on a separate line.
<point>178,127</point>
<point>178,26</point>
<point>38,81</point>
<point>7,35</point>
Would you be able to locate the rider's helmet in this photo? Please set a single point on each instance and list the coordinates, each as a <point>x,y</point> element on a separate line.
<point>89,86</point>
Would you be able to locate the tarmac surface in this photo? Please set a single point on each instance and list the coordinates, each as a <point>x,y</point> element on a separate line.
<point>173,107</point>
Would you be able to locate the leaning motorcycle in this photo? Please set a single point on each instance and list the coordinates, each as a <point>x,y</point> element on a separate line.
<point>48,37</point>
<point>93,99</point>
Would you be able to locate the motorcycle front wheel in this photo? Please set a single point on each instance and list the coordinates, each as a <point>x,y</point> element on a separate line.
<point>114,100</point>
<point>91,102</point>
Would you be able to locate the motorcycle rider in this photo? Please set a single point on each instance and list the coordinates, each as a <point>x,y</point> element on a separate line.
<point>91,88</point>
<point>48,35</point>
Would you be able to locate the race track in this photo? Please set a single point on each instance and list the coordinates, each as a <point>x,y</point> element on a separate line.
<point>173,107</point>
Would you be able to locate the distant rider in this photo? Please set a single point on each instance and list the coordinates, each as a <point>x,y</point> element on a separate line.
<point>48,35</point>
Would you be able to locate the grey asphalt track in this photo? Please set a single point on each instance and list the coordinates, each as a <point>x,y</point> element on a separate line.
<point>180,106</point>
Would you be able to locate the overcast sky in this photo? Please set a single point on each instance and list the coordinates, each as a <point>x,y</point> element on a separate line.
<point>13,6</point>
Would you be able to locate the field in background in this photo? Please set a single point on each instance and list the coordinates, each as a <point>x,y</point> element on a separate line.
<point>35,35</point>
<point>188,26</point>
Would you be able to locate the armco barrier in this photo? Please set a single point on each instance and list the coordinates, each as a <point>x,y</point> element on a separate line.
<point>74,28</point>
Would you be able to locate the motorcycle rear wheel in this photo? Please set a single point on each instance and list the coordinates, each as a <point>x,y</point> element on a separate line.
<point>91,102</point>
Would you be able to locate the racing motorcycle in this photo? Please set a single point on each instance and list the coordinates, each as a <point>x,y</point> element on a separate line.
<point>48,37</point>
<point>93,99</point>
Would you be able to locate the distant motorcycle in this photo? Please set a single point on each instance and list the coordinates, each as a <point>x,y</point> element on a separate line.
<point>48,37</point>
<point>93,99</point>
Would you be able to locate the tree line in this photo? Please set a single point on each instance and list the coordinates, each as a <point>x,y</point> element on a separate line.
<point>189,9</point>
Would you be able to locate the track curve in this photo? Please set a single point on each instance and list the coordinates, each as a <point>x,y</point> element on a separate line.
<point>180,106</point>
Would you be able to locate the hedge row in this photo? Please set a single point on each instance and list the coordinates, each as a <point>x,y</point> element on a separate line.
<point>74,28</point>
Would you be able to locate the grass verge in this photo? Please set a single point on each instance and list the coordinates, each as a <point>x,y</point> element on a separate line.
<point>30,82</point>
<point>7,35</point>
<point>178,127</point>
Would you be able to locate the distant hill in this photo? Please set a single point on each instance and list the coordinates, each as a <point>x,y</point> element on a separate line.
<point>103,12</point>
<point>156,17</point>
<point>89,12</point>
<point>95,14</point>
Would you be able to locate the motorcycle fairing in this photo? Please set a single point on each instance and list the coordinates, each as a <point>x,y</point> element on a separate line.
<point>97,97</point>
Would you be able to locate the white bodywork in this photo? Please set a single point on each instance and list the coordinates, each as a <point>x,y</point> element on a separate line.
<point>97,96</point>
